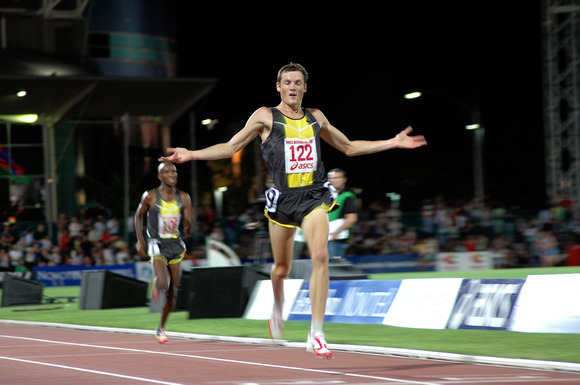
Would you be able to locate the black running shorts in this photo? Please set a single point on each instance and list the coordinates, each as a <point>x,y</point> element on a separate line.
<point>288,207</point>
<point>169,250</point>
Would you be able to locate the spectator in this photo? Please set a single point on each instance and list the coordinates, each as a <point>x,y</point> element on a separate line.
<point>426,249</point>
<point>4,260</point>
<point>45,242</point>
<point>28,236</point>
<point>378,226</point>
<point>113,226</point>
<point>122,255</point>
<point>461,219</point>
<point>75,257</point>
<point>230,226</point>
<point>30,255</point>
<point>342,219</point>
<point>64,240</point>
<point>93,234</point>
<point>499,248</point>
<point>108,255</point>
<point>21,268</point>
<point>86,247</point>
<point>100,227</point>
<point>428,217</point>
<point>39,233</point>
<point>130,228</point>
<point>61,224</point>
<point>74,227</point>
<point>55,256</point>
<point>549,252</point>
<point>7,238</point>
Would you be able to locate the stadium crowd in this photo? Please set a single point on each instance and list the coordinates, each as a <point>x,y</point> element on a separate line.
<point>90,242</point>
<point>515,239</point>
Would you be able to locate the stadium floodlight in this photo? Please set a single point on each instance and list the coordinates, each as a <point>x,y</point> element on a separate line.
<point>413,95</point>
<point>24,118</point>
<point>209,123</point>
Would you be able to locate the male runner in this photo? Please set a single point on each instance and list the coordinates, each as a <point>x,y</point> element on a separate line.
<point>301,196</point>
<point>166,207</point>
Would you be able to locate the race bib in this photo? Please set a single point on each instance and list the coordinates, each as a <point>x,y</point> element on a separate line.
<point>272,195</point>
<point>169,225</point>
<point>300,154</point>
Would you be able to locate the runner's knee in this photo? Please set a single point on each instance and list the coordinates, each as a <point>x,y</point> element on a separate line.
<point>319,257</point>
<point>281,270</point>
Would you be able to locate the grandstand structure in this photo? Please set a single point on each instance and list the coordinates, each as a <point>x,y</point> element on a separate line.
<point>561,72</point>
<point>90,82</point>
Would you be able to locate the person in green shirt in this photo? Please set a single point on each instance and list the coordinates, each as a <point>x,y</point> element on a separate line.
<point>342,219</point>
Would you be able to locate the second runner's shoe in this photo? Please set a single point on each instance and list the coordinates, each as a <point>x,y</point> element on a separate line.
<point>160,334</point>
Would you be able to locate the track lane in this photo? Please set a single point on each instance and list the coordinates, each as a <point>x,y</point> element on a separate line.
<point>35,354</point>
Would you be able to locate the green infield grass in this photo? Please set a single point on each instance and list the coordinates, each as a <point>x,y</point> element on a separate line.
<point>539,346</point>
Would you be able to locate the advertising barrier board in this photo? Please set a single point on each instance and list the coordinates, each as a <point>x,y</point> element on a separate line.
<point>350,301</point>
<point>548,303</point>
<point>485,304</point>
<point>464,261</point>
<point>423,303</point>
<point>391,263</point>
<point>262,299</point>
<point>71,275</point>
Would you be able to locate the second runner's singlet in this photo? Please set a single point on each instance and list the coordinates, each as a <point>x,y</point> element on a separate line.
<point>163,221</point>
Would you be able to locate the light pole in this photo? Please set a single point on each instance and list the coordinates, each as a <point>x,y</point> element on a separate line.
<point>218,195</point>
<point>478,138</point>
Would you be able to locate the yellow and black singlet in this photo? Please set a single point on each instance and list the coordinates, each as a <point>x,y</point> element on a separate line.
<point>292,151</point>
<point>164,219</point>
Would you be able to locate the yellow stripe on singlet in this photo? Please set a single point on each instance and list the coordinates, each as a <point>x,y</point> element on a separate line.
<point>299,129</point>
<point>170,207</point>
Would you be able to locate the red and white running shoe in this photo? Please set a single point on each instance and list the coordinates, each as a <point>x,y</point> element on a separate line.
<point>317,345</point>
<point>160,334</point>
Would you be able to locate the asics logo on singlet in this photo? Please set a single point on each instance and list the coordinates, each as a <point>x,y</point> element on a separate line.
<point>302,166</point>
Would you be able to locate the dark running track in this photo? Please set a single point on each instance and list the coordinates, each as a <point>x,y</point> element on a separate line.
<point>77,355</point>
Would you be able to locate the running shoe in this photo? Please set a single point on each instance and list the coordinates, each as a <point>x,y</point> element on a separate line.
<point>160,334</point>
<point>317,345</point>
<point>276,326</point>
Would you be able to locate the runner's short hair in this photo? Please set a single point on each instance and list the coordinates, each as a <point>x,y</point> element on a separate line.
<point>291,67</point>
<point>161,165</point>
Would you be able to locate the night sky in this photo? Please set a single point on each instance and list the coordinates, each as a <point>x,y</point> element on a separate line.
<point>361,60</point>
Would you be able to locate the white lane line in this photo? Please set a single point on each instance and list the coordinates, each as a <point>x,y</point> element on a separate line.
<point>332,372</point>
<point>149,380</point>
<point>493,377</point>
<point>514,379</point>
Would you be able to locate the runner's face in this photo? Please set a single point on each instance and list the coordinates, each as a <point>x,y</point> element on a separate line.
<point>292,88</point>
<point>168,175</point>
